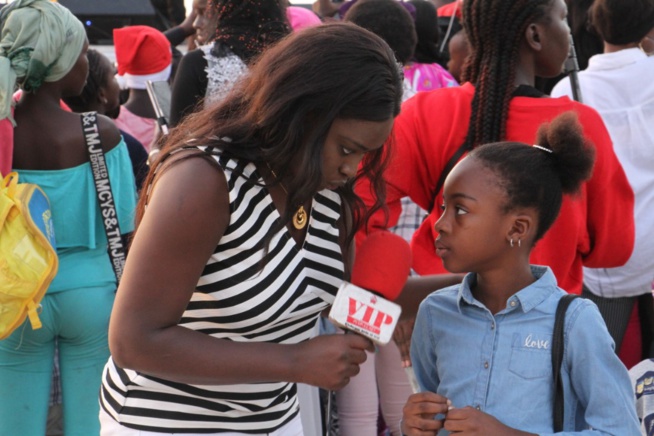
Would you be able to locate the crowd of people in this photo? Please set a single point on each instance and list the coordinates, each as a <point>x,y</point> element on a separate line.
<point>295,133</point>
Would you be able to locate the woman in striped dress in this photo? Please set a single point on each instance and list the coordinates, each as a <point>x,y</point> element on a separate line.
<point>246,239</point>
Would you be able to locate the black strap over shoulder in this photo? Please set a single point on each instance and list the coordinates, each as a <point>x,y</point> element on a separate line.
<point>116,247</point>
<point>557,359</point>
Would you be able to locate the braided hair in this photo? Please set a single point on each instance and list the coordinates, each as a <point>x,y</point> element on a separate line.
<point>494,29</point>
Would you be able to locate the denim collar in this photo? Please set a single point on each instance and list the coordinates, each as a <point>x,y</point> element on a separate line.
<point>527,298</point>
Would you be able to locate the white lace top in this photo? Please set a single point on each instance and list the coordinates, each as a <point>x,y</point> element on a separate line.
<point>222,73</point>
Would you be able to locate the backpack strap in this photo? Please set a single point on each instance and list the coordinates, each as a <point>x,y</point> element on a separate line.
<point>557,359</point>
<point>116,248</point>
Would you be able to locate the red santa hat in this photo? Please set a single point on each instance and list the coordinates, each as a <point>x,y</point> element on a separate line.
<point>449,9</point>
<point>142,53</point>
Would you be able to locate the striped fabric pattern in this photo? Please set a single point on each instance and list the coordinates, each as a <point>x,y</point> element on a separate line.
<point>237,300</point>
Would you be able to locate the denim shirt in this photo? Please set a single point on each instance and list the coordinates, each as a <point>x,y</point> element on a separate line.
<point>501,364</point>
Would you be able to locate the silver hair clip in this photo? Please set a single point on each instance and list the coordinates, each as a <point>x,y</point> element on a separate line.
<point>542,148</point>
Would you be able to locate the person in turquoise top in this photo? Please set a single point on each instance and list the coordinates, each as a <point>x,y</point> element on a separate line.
<point>43,48</point>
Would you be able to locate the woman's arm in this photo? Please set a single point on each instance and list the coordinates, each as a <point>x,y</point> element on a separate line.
<point>189,87</point>
<point>183,224</point>
<point>417,288</point>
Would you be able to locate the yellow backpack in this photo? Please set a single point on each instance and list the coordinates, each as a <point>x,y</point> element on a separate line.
<point>28,256</point>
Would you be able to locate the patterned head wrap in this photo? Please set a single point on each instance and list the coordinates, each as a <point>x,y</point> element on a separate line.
<point>40,41</point>
<point>247,27</point>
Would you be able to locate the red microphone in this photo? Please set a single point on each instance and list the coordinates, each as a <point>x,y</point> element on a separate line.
<point>382,264</point>
<point>381,268</point>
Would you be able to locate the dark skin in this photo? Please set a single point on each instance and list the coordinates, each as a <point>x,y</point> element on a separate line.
<point>197,358</point>
<point>48,137</point>
<point>420,409</point>
<point>541,49</point>
<point>534,60</point>
<point>474,235</point>
<point>176,236</point>
<point>543,46</point>
<point>139,103</point>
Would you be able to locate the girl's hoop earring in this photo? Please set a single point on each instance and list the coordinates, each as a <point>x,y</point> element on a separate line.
<point>511,242</point>
<point>519,243</point>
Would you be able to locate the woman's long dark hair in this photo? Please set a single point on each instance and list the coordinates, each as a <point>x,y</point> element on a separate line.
<point>427,49</point>
<point>495,29</point>
<point>283,109</point>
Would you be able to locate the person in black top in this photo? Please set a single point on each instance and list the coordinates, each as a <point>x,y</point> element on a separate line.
<point>242,33</point>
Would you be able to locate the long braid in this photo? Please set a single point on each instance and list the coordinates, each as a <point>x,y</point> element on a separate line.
<point>494,29</point>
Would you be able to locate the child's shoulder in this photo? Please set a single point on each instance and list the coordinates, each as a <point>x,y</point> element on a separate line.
<point>443,297</point>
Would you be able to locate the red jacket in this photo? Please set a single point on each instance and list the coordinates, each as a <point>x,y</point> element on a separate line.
<point>595,230</point>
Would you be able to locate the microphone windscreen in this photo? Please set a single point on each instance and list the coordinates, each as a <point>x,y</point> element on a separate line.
<point>382,264</point>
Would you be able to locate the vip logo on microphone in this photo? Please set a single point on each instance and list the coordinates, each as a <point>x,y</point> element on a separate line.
<point>363,312</point>
<point>367,317</point>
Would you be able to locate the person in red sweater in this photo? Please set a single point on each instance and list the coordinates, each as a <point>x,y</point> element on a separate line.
<point>511,42</point>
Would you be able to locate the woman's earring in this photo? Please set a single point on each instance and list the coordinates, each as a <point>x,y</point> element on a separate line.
<point>511,242</point>
<point>519,242</point>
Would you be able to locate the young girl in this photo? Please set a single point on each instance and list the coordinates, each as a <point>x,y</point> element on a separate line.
<point>481,350</point>
<point>50,150</point>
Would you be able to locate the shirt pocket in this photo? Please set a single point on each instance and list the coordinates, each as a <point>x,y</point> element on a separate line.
<point>531,355</point>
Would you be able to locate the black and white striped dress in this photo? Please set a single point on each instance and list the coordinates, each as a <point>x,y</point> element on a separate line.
<point>235,300</point>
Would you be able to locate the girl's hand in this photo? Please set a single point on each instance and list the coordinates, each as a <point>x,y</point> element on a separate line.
<point>469,421</point>
<point>419,414</point>
<point>329,361</point>
<point>402,338</point>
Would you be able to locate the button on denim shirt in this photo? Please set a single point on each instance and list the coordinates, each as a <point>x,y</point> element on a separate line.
<point>501,364</point>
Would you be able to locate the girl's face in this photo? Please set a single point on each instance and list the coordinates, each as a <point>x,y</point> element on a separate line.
<point>555,39</point>
<point>459,50</point>
<point>110,89</point>
<point>348,140</point>
<point>202,23</point>
<point>473,226</point>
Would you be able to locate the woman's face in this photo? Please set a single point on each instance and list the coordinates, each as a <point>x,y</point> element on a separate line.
<point>348,140</point>
<point>554,37</point>
<point>76,77</point>
<point>203,25</point>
